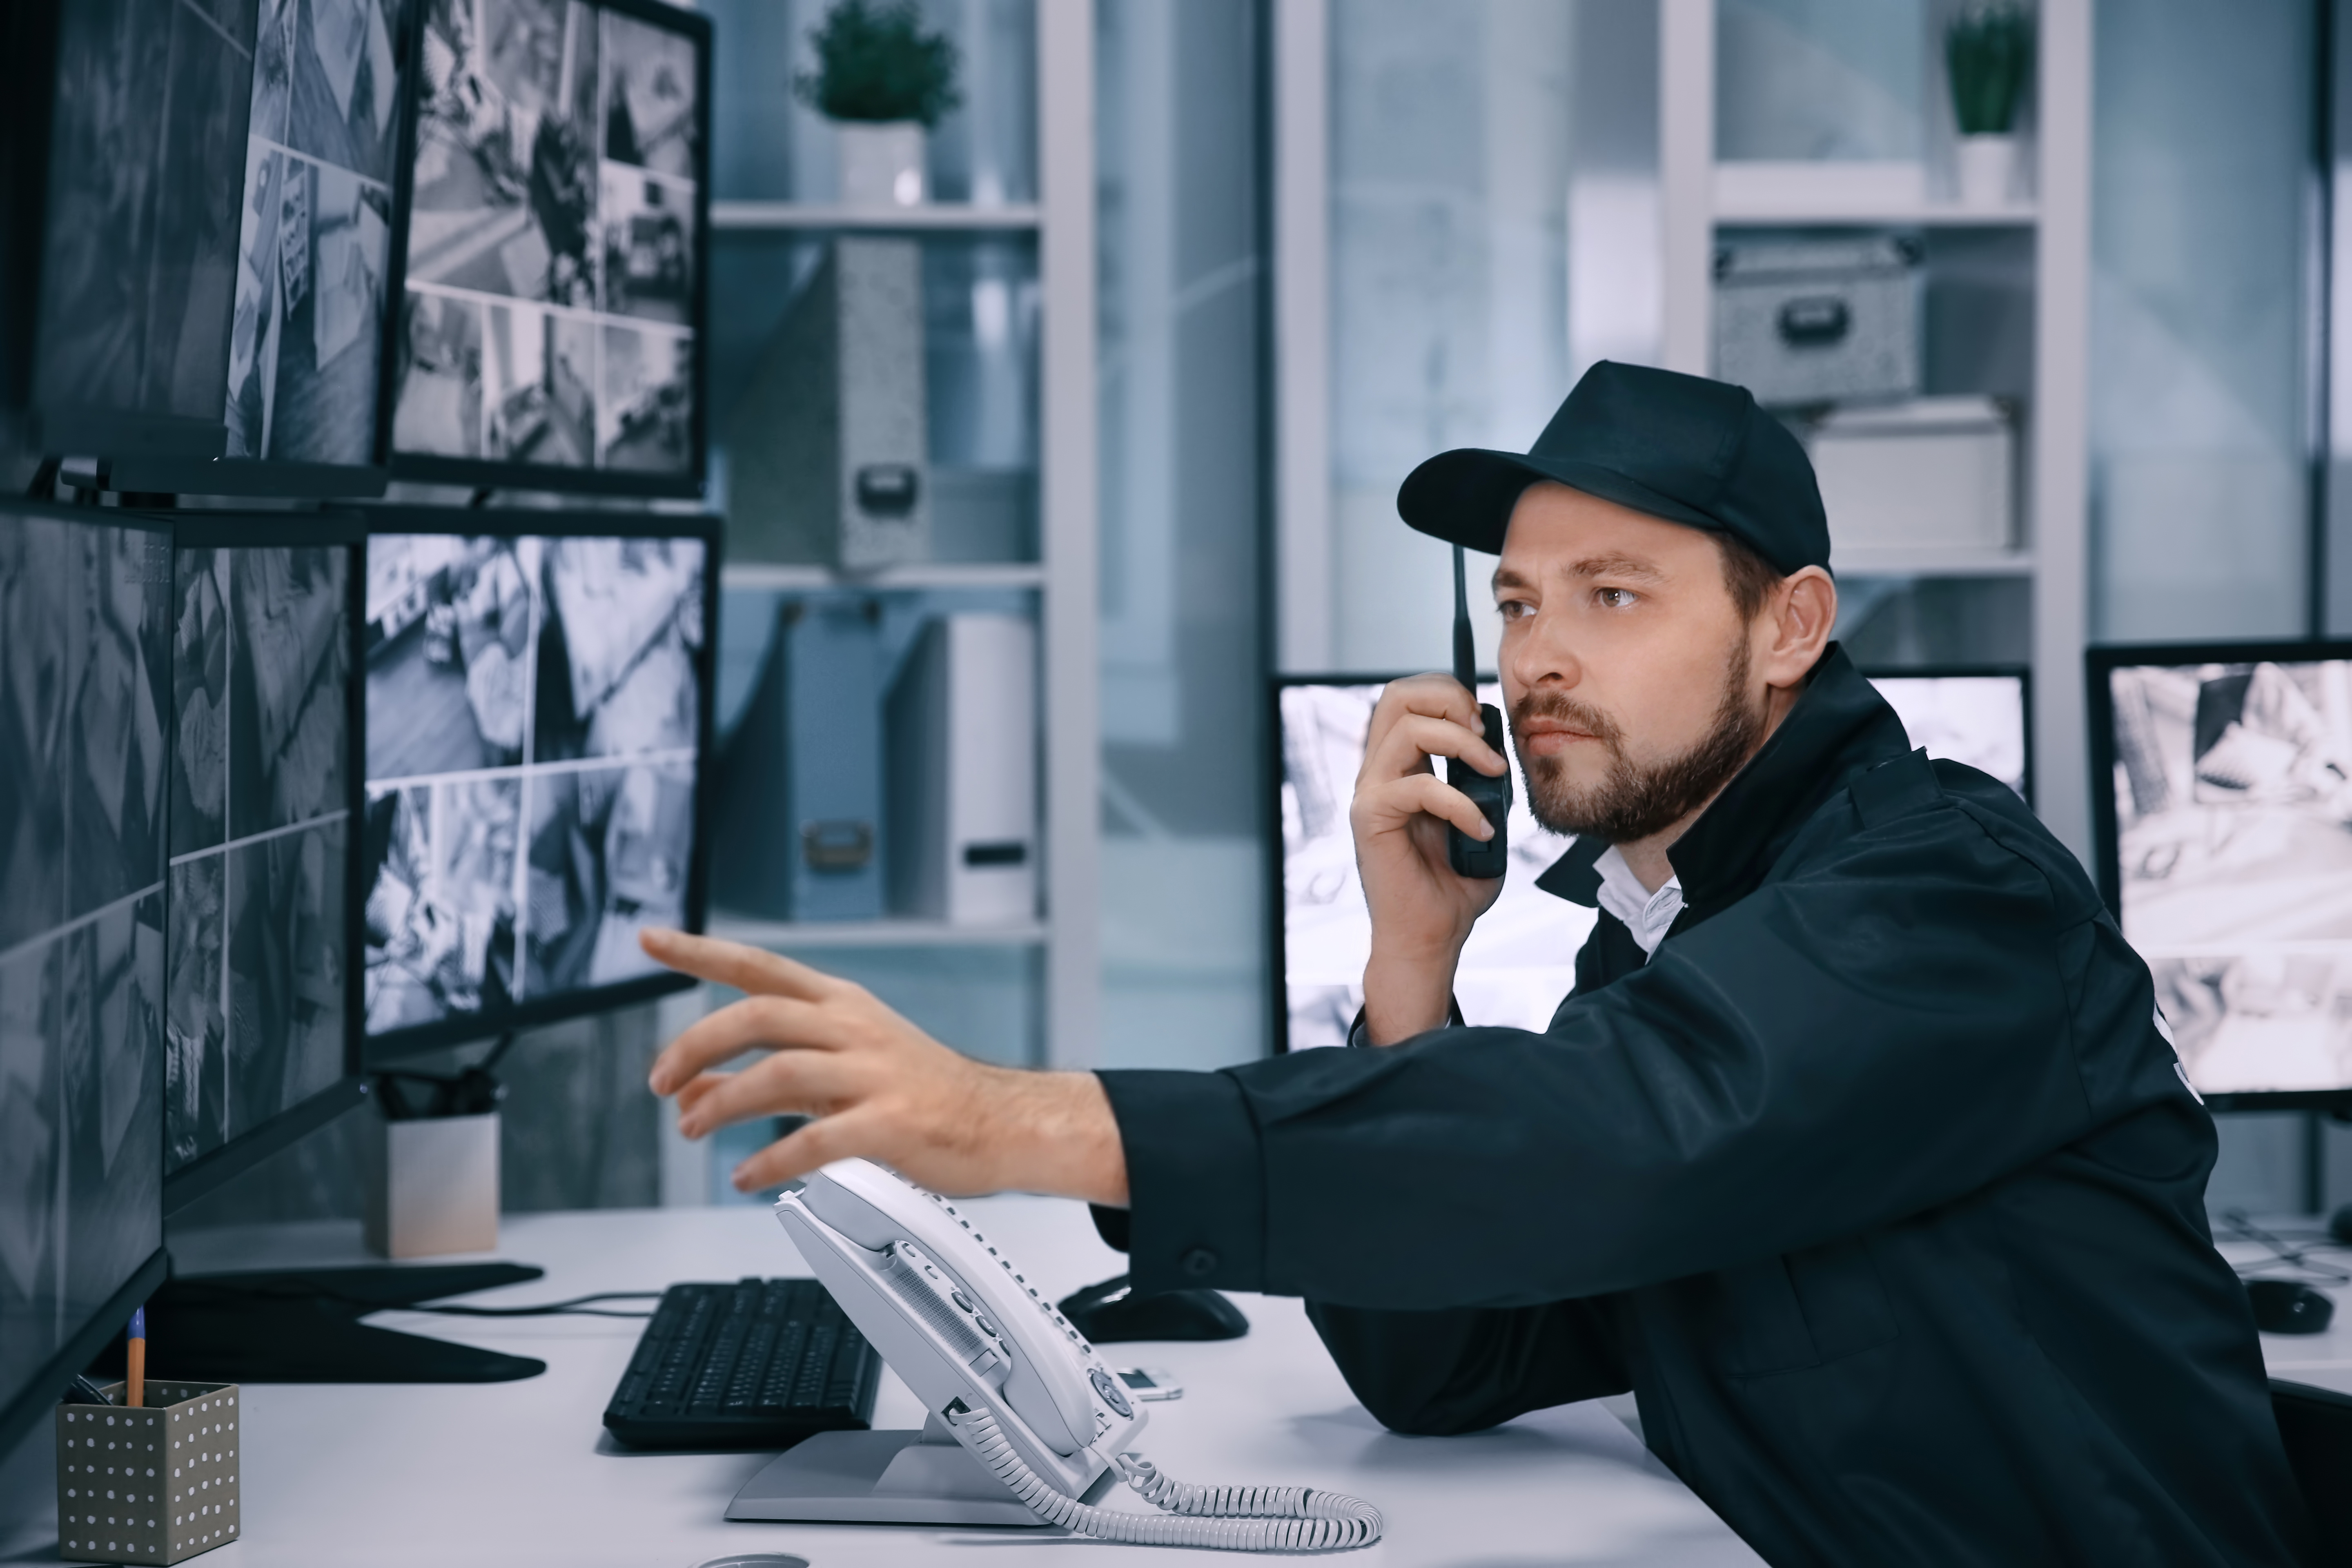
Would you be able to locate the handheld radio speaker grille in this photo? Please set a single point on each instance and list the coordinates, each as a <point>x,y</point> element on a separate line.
<point>1468,856</point>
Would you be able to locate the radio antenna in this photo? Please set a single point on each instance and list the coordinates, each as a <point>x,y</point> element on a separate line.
<point>1465,653</point>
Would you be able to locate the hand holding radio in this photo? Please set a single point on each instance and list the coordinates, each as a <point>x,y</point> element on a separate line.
<point>879,1087</point>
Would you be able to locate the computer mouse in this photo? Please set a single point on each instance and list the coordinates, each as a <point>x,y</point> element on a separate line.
<point>1112,1313</point>
<point>2339,1224</point>
<point>2284,1307</point>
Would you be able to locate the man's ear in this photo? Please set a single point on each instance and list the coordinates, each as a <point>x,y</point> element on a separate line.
<point>1799,618</point>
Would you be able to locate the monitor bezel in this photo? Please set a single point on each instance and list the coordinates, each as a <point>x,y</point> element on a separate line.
<point>2021,673</point>
<point>498,473</point>
<point>392,1047</point>
<point>2099,662</point>
<point>23,1410</point>
<point>246,531</point>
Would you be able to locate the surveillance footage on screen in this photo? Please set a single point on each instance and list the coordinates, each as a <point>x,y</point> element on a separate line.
<point>1519,962</point>
<point>316,237</point>
<point>547,312</point>
<point>1978,719</point>
<point>2233,796</point>
<point>84,640</point>
<point>140,260</point>
<point>533,706</point>
<point>260,825</point>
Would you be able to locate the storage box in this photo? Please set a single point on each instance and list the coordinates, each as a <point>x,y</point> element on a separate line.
<point>1932,475</point>
<point>1817,322</point>
<point>158,1484</point>
<point>431,1185</point>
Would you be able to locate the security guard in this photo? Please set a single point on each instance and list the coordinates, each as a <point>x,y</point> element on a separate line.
<point>1858,1152</point>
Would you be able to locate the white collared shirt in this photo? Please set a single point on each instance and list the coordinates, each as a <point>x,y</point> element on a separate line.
<point>1646,914</point>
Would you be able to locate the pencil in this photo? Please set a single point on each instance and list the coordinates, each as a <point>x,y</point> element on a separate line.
<point>135,1385</point>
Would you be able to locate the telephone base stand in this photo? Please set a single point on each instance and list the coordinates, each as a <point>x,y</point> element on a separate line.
<point>883,1477</point>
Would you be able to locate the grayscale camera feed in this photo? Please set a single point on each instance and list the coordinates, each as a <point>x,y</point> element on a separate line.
<point>1978,719</point>
<point>139,261</point>
<point>532,711</point>
<point>258,976</point>
<point>2233,811</point>
<point>549,284</point>
<point>316,236</point>
<point>1520,960</point>
<point>85,643</point>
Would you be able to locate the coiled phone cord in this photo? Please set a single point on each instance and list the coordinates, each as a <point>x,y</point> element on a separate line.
<point>1230,1519</point>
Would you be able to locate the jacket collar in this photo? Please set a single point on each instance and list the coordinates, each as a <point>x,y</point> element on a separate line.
<point>1838,724</point>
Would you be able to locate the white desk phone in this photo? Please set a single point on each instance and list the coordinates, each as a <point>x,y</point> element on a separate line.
<point>1028,1426</point>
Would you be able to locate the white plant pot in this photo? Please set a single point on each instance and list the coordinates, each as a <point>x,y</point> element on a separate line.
<point>1987,168</point>
<point>881,163</point>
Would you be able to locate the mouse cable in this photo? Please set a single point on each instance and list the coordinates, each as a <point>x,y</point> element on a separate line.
<point>1229,1519</point>
<point>578,1306</point>
<point>2281,1251</point>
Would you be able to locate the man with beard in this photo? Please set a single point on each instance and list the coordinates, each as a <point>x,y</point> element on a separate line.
<point>1859,1151</point>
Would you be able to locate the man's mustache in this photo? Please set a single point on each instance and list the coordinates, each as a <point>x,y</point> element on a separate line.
<point>1566,709</point>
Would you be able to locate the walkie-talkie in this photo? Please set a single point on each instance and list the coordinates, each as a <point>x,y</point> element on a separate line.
<point>1468,856</point>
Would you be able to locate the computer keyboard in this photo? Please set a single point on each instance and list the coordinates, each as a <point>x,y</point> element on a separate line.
<point>761,1363</point>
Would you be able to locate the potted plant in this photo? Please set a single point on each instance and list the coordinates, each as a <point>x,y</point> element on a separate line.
<point>1989,55</point>
<point>882,81</point>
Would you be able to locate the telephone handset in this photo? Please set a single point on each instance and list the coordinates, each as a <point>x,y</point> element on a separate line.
<point>1022,1391</point>
<point>1488,858</point>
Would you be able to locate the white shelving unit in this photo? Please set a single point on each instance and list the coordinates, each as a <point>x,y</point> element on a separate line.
<point>1063,578</point>
<point>2054,514</point>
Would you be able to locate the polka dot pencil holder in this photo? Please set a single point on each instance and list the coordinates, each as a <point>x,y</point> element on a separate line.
<point>154,1485</point>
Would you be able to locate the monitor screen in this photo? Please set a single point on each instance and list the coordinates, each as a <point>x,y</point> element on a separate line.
<point>147,152</point>
<point>553,291</point>
<point>314,239</point>
<point>85,672</point>
<point>1520,960</point>
<point>537,717</point>
<point>1973,716</point>
<point>263,783</point>
<point>2225,837</point>
<point>215,274</point>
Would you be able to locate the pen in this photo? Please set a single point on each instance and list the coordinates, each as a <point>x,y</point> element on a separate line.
<point>135,1385</point>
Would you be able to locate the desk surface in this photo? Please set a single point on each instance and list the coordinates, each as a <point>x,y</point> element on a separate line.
<point>521,1472</point>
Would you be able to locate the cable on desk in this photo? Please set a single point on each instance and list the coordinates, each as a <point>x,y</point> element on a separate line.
<point>1228,1518</point>
<point>2283,1251</point>
<point>577,1306</point>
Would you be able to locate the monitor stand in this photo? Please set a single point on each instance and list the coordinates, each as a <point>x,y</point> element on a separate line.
<point>885,1477</point>
<point>302,1326</point>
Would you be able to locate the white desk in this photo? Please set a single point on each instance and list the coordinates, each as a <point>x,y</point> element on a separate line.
<point>2322,1361</point>
<point>521,1473</point>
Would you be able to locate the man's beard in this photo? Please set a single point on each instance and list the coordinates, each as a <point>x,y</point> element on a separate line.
<point>1632,802</point>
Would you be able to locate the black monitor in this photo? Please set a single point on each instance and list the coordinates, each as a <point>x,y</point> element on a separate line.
<point>215,270</point>
<point>1520,960</point>
<point>538,734</point>
<point>556,199</point>
<point>261,1031</point>
<point>85,672</point>
<point>2222,801</point>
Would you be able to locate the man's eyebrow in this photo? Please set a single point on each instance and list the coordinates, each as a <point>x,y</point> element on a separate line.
<point>1504,577</point>
<point>1617,566</point>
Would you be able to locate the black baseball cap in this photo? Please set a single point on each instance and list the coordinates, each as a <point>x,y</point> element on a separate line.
<point>1678,447</point>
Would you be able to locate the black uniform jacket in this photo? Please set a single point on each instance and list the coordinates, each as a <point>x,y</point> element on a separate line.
<point>1877,1184</point>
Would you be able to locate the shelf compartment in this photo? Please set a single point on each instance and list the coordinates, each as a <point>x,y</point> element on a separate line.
<point>764,576</point>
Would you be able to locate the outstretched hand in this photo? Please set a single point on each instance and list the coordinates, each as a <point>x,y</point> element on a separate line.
<point>876,1086</point>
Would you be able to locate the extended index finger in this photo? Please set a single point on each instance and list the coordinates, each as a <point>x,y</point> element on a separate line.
<point>750,969</point>
<point>756,1023</point>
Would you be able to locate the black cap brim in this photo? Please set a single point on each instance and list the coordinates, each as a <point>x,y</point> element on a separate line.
<point>1465,496</point>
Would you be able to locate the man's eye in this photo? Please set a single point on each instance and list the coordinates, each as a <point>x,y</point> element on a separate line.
<point>1614,598</point>
<point>1514,609</point>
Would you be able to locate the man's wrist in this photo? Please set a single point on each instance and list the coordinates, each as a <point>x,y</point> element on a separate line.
<point>1062,1137</point>
<point>1406,996</point>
